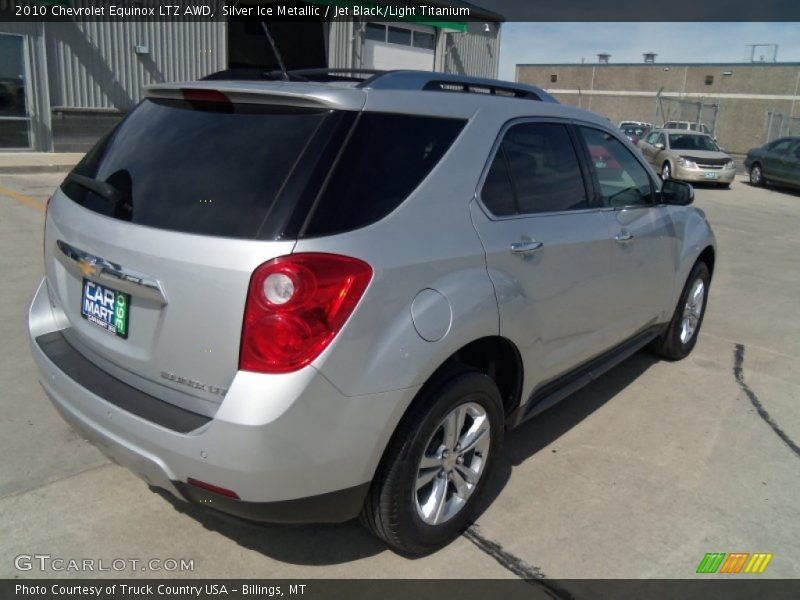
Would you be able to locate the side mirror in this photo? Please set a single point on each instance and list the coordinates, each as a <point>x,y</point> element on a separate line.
<point>659,145</point>
<point>677,192</point>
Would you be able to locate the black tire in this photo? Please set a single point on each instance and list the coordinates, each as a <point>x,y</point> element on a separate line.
<point>670,345</point>
<point>725,186</point>
<point>390,509</point>
<point>757,175</point>
<point>666,171</point>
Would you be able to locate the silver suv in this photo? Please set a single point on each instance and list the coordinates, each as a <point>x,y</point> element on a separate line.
<point>308,301</point>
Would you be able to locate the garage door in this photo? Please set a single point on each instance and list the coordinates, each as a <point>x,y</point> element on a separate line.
<point>398,46</point>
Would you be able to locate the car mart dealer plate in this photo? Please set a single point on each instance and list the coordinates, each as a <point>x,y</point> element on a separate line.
<point>106,307</point>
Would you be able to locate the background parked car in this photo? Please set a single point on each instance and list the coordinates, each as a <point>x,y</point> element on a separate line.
<point>778,161</point>
<point>687,125</point>
<point>635,132</point>
<point>687,156</point>
<point>644,124</point>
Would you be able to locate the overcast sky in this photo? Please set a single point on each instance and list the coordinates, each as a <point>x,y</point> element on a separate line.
<point>674,42</point>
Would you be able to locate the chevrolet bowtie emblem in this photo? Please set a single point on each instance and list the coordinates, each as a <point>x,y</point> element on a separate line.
<point>88,268</point>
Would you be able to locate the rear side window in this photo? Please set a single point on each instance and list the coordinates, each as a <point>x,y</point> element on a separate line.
<point>498,192</point>
<point>545,175</point>
<point>385,159</point>
<point>197,168</point>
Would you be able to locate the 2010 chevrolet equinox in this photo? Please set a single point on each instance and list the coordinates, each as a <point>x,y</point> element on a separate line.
<point>307,301</point>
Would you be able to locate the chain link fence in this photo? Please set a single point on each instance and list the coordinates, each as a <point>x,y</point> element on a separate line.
<point>778,124</point>
<point>699,111</point>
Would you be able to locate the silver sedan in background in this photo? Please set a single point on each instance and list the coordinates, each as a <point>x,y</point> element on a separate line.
<point>687,156</point>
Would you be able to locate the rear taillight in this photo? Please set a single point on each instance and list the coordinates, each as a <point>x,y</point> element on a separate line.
<point>296,305</point>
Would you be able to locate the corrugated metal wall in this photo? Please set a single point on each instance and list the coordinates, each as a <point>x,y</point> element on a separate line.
<point>476,52</point>
<point>94,65</point>
<point>340,44</point>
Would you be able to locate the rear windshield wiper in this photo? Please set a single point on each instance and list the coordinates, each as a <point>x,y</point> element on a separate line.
<point>101,188</point>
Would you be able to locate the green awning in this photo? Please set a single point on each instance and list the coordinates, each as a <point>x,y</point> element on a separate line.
<point>451,25</point>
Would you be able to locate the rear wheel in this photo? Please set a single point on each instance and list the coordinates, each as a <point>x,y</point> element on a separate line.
<point>666,171</point>
<point>680,336</point>
<point>757,175</point>
<point>437,464</point>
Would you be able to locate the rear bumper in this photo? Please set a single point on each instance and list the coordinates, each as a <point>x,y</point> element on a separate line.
<point>292,447</point>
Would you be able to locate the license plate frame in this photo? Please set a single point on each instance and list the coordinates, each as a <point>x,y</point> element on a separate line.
<point>106,307</point>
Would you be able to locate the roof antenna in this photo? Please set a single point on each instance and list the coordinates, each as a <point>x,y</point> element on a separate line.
<point>275,51</point>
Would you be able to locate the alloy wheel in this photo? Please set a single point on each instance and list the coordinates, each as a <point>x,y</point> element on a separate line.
<point>755,175</point>
<point>452,463</point>
<point>692,311</point>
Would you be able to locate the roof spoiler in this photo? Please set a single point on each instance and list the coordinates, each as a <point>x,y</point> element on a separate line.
<point>251,92</point>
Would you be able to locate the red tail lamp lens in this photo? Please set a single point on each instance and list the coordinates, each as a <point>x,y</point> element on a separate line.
<point>295,307</point>
<point>203,95</point>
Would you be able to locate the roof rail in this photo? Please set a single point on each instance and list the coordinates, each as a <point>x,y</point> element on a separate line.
<point>449,82</point>
<point>302,75</point>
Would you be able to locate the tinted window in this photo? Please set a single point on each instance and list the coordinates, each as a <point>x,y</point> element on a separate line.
<point>213,170</point>
<point>689,141</point>
<point>386,158</point>
<point>497,193</point>
<point>423,40</point>
<point>376,32</point>
<point>781,146</point>
<point>398,35</point>
<point>544,168</point>
<point>623,180</point>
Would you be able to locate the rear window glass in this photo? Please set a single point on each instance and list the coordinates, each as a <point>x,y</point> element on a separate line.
<point>197,168</point>
<point>386,158</point>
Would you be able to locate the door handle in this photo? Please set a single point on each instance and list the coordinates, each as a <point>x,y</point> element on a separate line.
<point>623,237</point>
<point>525,247</point>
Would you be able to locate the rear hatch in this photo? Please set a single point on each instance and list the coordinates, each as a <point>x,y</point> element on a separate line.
<point>152,239</point>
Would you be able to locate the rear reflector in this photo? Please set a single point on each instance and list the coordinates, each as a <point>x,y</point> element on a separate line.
<point>210,487</point>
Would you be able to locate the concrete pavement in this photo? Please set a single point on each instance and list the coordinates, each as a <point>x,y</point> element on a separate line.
<point>38,162</point>
<point>637,475</point>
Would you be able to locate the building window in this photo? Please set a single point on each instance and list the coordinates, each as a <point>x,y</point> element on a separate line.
<point>709,79</point>
<point>376,32</point>
<point>553,78</point>
<point>398,35</point>
<point>423,40</point>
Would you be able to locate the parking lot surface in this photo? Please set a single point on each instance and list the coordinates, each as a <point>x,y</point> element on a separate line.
<point>637,475</point>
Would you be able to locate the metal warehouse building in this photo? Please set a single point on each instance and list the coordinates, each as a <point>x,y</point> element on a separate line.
<point>63,84</point>
<point>746,104</point>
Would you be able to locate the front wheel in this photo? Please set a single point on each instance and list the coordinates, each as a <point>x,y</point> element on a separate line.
<point>666,171</point>
<point>436,466</point>
<point>756,175</point>
<point>681,334</point>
